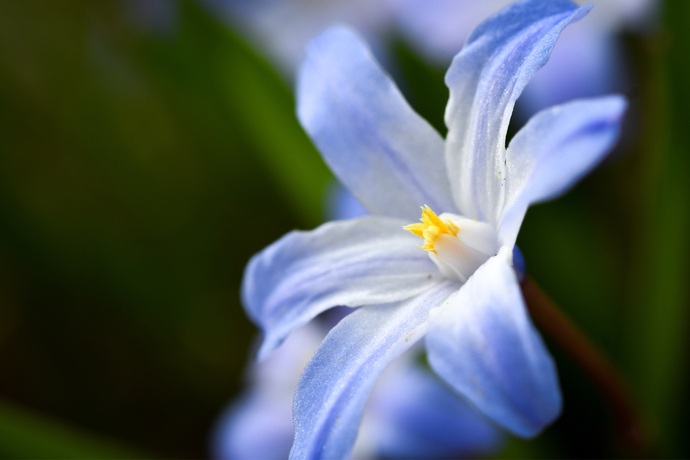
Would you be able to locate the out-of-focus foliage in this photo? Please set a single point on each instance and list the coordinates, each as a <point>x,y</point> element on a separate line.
<point>658,352</point>
<point>139,170</point>
<point>141,167</point>
<point>23,434</point>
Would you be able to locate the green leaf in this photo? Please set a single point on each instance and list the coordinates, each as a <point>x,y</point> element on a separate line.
<point>660,293</point>
<point>24,434</point>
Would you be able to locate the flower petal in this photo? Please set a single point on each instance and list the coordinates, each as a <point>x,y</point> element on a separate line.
<point>336,383</point>
<point>553,151</point>
<point>256,426</point>
<point>485,79</point>
<point>380,149</point>
<point>485,346</point>
<point>420,417</point>
<point>259,423</point>
<point>365,261</point>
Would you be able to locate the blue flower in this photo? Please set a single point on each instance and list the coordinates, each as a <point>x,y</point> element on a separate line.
<point>410,413</point>
<point>460,290</point>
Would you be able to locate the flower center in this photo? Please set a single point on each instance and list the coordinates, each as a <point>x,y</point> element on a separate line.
<point>431,228</point>
<point>456,244</point>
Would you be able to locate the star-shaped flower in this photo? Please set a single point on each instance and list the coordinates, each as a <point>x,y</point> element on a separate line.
<point>460,290</point>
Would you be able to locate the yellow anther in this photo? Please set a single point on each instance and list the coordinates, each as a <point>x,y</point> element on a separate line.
<point>431,228</point>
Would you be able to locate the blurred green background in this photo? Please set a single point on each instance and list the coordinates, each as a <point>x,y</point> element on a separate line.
<point>142,164</point>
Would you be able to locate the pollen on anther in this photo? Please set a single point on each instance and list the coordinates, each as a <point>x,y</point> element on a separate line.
<point>431,228</point>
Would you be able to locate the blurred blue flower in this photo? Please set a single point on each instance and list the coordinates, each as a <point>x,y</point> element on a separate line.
<point>588,61</point>
<point>462,293</point>
<point>283,27</point>
<point>341,204</point>
<point>410,413</point>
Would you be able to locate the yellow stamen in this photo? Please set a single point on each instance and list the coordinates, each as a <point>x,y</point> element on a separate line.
<point>431,228</point>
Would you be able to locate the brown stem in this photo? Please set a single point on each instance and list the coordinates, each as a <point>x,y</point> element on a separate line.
<point>550,319</point>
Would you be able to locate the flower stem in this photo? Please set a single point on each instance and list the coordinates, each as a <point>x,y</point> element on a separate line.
<point>550,319</point>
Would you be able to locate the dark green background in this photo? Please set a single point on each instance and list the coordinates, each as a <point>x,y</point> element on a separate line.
<point>140,168</point>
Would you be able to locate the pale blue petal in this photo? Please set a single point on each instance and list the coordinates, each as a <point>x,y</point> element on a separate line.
<point>381,150</point>
<point>254,427</point>
<point>556,148</point>
<point>421,417</point>
<point>336,383</point>
<point>484,344</point>
<point>485,79</point>
<point>357,262</point>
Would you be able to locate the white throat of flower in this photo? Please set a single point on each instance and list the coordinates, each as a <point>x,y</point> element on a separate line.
<point>456,244</point>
